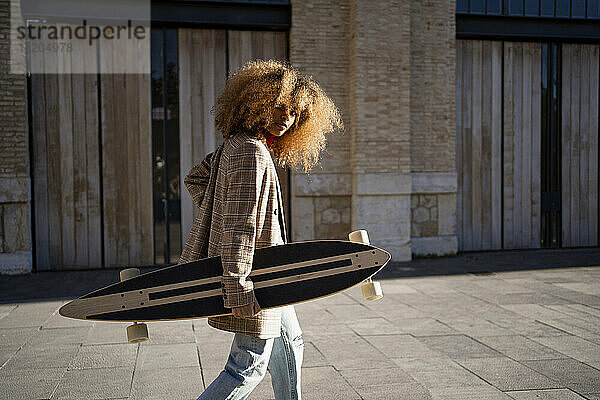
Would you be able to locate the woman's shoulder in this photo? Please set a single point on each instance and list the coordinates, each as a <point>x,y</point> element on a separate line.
<point>245,145</point>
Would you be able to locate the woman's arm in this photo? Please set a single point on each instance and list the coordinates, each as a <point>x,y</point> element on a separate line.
<point>245,174</point>
<point>197,179</point>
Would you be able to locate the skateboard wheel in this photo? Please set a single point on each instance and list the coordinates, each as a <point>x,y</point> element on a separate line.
<point>360,236</point>
<point>137,333</point>
<point>372,290</point>
<point>129,273</point>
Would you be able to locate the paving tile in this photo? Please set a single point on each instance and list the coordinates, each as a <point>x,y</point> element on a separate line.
<point>49,356</point>
<point>474,327</point>
<point>312,357</point>
<point>350,351</point>
<point>402,346</point>
<point>102,383</point>
<point>107,333</point>
<point>578,311</point>
<point>170,332</point>
<point>422,326</point>
<point>393,309</point>
<point>374,326</point>
<point>348,312</point>
<point>519,347</point>
<point>394,391</point>
<point>480,392</point>
<point>5,309</point>
<point>58,336</point>
<point>577,327</point>
<point>105,356</point>
<point>526,327</point>
<point>571,373</point>
<point>6,352</point>
<point>534,311</point>
<point>32,314</point>
<point>439,373</point>
<point>168,383</point>
<point>325,383</point>
<point>458,346</point>
<point>16,336</point>
<point>549,394</point>
<point>376,376</point>
<point>572,346</point>
<point>506,374</point>
<point>27,384</point>
<point>167,356</point>
<point>584,287</point>
<point>309,331</point>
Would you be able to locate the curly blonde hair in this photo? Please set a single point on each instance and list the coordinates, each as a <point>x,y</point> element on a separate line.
<point>256,89</point>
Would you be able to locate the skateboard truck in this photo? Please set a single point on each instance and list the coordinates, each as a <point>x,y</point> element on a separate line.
<point>370,290</point>
<point>137,332</point>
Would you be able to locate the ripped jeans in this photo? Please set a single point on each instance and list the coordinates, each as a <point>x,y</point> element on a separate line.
<point>250,357</point>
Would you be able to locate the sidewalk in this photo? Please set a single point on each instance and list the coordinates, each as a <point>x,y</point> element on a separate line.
<point>482,326</point>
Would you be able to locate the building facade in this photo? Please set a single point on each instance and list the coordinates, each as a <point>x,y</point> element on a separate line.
<point>468,127</point>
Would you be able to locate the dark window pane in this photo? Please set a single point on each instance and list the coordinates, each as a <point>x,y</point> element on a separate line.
<point>593,9</point>
<point>462,6</point>
<point>547,8</point>
<point>477,6</point>
<point>578,8</point>
<point>563,8</point>
<point>494,7</point>
<point>515,7</point>
<point>532,8</point>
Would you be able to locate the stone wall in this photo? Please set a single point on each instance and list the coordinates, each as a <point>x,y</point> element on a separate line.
<point>15,237</point>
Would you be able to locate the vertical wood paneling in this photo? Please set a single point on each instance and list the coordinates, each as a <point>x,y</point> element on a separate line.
<point>65,161</point>
<point>202,74</point>
<point>579,145</point>
<point>479,144</point>
<point>126,157</point>
<point>522,141</point>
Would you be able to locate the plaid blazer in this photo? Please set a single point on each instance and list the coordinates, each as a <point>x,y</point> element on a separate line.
<point>240,209</point>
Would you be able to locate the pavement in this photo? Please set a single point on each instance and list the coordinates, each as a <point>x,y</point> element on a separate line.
<point>477,326</point>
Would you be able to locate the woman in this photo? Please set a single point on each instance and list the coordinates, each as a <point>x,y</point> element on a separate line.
<point>267,108</point>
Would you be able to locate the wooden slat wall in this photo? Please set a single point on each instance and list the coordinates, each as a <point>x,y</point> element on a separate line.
<point>579,145</point>
<point>202,74</point>
<point>126,156</point>
<point>522,145</point>
<point>65,161</point>
<point>479,107</point>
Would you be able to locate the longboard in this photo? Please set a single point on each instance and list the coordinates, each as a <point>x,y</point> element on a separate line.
<point>282,275</point>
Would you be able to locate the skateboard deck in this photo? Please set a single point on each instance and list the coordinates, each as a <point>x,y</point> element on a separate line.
<point>282,275</point>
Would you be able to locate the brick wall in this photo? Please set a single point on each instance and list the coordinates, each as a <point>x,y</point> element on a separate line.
<point>389,65</point>
<point>15,239</point>
<point>319,47</point>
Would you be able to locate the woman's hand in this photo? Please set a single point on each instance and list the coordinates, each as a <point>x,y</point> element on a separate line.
<point>249,310</point>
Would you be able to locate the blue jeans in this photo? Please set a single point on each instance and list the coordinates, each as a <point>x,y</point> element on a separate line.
<point>250,357</point>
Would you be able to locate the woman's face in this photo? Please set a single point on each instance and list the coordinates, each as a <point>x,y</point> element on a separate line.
<point>282,119</point>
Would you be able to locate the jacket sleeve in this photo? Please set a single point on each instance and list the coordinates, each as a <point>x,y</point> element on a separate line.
<point>245,172</point>
<point>197,179</point>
